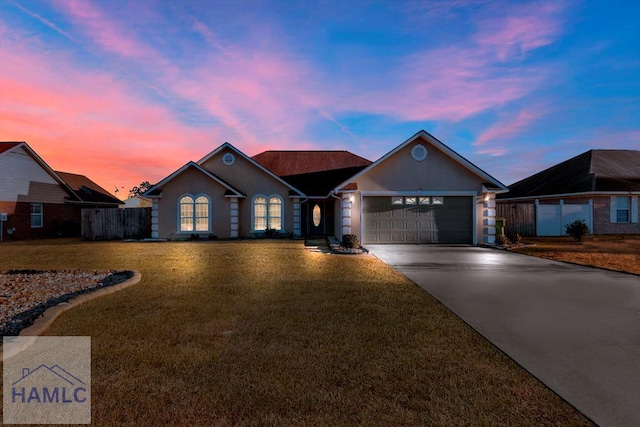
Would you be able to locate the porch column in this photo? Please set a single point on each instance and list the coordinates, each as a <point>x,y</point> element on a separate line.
<point>346,213</point>
<point>234,217</point>
<point>489,219</point>
<point>154,219</point>
<point>296,217</point>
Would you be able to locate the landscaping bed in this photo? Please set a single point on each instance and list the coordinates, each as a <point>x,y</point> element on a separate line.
<point>26,294</point>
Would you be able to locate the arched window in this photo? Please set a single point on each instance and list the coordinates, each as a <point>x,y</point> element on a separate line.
<point>275,213</point>
<point>194,213</point>
<point>267,212</point>
<point>259,213</point>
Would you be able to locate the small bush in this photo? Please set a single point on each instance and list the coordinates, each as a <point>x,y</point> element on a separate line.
<point>577,229</point>
<point>502,240</point>
<point>270,232</point>
<point>350,241</point>
<point>514,238</point>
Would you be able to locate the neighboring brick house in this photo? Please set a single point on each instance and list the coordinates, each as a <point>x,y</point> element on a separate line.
<point>601,187</point>
<point>40,202</point>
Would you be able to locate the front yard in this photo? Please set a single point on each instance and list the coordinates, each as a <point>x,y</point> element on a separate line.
<point>266,333</point>
<point>613,252</point>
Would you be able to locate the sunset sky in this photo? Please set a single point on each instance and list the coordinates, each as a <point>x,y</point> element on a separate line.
<point>128,91</point>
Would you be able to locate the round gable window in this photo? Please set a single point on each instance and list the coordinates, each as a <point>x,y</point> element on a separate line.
<point>228,159</point>
<point>419,153</point>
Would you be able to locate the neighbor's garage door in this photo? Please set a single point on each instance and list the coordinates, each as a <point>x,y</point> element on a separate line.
<point>418,219</point>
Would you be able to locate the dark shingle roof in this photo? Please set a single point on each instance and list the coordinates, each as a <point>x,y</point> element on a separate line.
<point>320,184</point>
<point>4,146</point>
<point>594,170</point>
<point>87,190</point>
<point>287,163</point>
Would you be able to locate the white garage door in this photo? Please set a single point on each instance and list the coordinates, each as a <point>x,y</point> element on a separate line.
<point>418,219</point>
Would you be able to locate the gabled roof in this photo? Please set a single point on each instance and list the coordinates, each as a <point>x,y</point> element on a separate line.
<point>6,146</point>
<point>286,163</point>
<point>156,190</point>
<point>591,171</point>
<point>87,190</point>
<point>226,145</point>
<point>436,143</point>
<point>80,188</point>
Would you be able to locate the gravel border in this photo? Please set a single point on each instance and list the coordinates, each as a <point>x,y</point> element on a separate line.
<point>27,294</point>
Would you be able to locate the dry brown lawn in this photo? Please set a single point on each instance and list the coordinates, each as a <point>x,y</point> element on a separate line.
<point>616,252</point>
<point>267,333</point>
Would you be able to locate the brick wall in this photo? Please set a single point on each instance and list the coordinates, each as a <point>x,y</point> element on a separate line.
<point>58,220</point>
<point>601,213</point>
<point>602,219</point>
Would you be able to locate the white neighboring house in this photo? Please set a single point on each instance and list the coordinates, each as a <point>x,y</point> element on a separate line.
<point>137,202</point>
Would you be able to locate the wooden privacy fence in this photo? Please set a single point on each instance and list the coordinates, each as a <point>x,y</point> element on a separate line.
<point>519,218</point>
<point>116,223</point>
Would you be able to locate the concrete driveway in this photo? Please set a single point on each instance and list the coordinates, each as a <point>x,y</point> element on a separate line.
<point>577,329</point>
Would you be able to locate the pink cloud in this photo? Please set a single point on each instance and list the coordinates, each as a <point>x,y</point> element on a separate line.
<point>493,141</point>
<point>91,123</point>
<point>105,32</point>
<point>261,94</point>
<point>528,27</point>
<point>480,74</point>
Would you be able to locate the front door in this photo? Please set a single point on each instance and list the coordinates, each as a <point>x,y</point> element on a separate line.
<point>319,215</point>
<point>316,218</point>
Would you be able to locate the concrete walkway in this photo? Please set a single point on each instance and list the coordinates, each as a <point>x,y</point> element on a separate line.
<point>577,329</point>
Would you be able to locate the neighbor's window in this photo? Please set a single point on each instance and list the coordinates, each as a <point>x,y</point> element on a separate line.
<point>397,200</point>
<point>409,200</point>
<point>424,200</point>
<point>623,209</point>
<point>267,213</point>
<point>194,213</point>
<point>36,215</point>
<point>437,200</point>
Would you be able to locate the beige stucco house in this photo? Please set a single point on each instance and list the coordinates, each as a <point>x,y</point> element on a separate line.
<point>420,192</point>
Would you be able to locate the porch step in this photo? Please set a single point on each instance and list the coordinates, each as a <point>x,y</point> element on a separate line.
<point>317,245</point>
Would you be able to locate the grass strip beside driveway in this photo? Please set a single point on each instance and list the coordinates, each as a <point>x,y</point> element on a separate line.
<point>266,333</point>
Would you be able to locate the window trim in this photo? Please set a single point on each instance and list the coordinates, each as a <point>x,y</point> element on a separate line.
<point>36,215</point>
<point>194,217</point>
<point>253,212</point>
<point>618,210</point>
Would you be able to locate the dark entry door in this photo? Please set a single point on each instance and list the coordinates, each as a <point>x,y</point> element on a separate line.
<point>319,217</point>
<point>316,218</point>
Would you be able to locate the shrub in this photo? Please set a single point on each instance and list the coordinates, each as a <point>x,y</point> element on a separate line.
<point>514,238</point>
<point>502,240</point>
<point>577,229</point>
<point>350,241</point>
<point>270,232</point>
